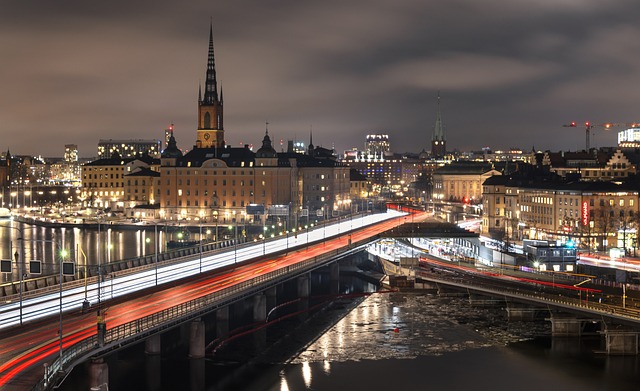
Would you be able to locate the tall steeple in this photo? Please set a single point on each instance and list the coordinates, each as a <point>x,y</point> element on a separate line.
<point>211,83</point>
<point>310,148</point>
<point>210,110</point>
<point>438,141</point>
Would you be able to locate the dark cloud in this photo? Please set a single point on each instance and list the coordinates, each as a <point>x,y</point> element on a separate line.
<point>510,73</point>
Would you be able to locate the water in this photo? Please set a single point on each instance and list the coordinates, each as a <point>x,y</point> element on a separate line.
<point>392,341</point>
<point>84,246</point>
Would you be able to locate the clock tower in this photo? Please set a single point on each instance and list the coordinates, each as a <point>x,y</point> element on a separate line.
<point>210,113</point>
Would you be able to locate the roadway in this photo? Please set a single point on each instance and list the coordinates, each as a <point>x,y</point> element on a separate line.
<point>13,313</point>
<point>25,349</point>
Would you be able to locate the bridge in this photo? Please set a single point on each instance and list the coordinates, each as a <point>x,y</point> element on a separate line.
<point>572,305</point>
<point>144,301</point>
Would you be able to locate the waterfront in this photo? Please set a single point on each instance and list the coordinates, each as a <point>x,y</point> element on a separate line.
<point>86,246</point>
<point>441,343</point>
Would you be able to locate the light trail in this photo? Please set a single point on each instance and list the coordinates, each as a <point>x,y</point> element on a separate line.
<point>111,287</point>
<point>34,345</point>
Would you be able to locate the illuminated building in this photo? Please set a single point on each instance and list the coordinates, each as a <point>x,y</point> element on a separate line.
<point>128,148</point>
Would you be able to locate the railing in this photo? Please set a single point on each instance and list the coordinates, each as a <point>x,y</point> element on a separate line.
<point>123,267</point>
<point>576,304</point>
<point>140,328</point>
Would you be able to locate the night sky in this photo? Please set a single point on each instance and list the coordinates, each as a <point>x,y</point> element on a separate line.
<point>510,73</point>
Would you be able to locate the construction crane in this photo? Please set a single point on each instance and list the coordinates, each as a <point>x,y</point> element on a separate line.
<point>607,126</point>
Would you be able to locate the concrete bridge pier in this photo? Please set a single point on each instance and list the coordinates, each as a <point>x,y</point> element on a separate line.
<point>519,312</point>
<point>98,374</point>
<point>153,344</point>
<point>304,291</point>
<point>153,366</point>
<point>621,342</point>
<point>196,339</point>
<point>259,307</point>
<point>334,278</point>
<point>477,300</point>
<point>222,322</point>
<point>259,317</point>
<point>197,375</point>
<point>272,298</point>
<point>565,326</point>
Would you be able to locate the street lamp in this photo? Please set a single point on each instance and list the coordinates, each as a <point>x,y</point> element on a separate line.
<point>63,254</point>
<point>16,255</point>
<point>155,245</point>
<point>20,268</point>
<point>200,221</point>
<point>235,243</point>
<point>99,266</point>
<point>264,237</point>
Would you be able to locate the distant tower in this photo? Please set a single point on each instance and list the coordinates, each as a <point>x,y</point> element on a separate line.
<point>167,135</point>
<point>210,125</point>
<point>438,141</point>
<point>70,153</point>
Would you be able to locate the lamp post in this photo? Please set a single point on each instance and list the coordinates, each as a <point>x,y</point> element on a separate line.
<point>264,238</point>
<point>200,221</point>
<point>235,243</point>
<point>155,246</point>
<point>16,255</point>
<point>20,268</point>
<point>100,266</point>
<point>63,253</point>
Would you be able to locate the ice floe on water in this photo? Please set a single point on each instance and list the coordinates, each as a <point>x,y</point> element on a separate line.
<point>407,325</point>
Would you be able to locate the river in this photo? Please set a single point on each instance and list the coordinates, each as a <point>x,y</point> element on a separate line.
<point>393,341</point>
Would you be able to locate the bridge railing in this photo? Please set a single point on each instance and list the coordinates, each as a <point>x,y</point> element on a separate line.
<point>631,314</point>
<point>150,324</point>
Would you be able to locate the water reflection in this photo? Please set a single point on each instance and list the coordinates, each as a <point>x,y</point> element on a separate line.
<point>85,246</point>
<point>306,374</point>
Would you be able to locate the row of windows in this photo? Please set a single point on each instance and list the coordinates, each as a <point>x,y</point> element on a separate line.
<point>215,182</point>
<point>189,202</point>
<point>102,176</point>
<point>206,192</point>
<point>102,184</point>
<point>103,168</point>
<point>215,172</point>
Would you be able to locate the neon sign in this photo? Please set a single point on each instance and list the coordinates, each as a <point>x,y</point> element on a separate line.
<point>585,213</point>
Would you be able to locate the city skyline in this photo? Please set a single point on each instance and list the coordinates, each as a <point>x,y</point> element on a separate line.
<point>509,74</point>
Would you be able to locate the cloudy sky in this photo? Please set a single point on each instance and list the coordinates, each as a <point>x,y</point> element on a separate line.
<point>510,72</point>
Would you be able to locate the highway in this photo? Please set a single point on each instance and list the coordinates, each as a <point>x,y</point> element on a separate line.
<point>49,304</point>
<point>23,351</point>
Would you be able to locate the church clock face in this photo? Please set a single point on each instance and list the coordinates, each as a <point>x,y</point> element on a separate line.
<point>207,136</point>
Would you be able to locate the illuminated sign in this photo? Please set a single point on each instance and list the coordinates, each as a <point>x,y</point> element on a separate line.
<point>585,213</point>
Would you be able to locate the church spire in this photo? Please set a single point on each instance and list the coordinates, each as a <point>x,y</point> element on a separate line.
<point>438,131</point>
<point>210,133</point>
<point>211,83</point>
<point>438,140</point>
<point>310,148</point>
